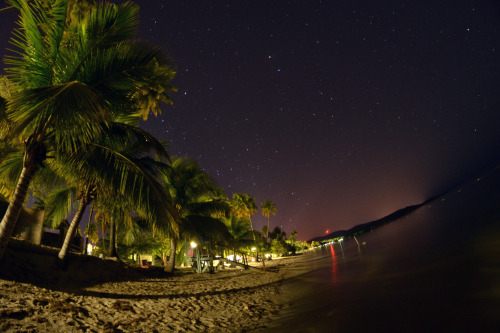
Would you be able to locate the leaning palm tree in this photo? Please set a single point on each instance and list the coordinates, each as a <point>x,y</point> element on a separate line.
<point>124,177</point>
<point>120,160</point>
<point>268,208</point>
<point>72,80</point>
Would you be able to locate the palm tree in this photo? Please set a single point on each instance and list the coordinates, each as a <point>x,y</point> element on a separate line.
<point>244,206</point>
<point>192,192</point>
<point>268,208</point>
<point>241,235</point>
<point>120,160</point>
<point>72,80</point>
<point>122,173</point>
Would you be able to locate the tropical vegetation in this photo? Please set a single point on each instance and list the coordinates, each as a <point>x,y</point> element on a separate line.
<point>78,84</point>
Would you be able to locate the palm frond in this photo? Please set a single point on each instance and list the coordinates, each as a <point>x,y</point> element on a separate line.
<point>11,165</point>
<point>52,176</point>
<point>59,204</point>
<point>109,24</point>
<point>73,110</point>
<point>137,179</point>
<point>37,39</point>
<point>210,208</point>
<point>4,122</point>
<point>124,137</point>
<point>206,228</point>
<point>124,69</point>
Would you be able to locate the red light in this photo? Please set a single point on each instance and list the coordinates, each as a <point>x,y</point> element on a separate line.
<point>327,231</point>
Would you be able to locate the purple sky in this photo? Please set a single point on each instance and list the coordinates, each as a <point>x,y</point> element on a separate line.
<point>339,112</point>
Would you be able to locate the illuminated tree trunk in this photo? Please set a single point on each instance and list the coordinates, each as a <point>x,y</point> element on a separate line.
<point>34,154</point>
<point>251,226</point>
<point>169,268</point>
<point>71,230</point>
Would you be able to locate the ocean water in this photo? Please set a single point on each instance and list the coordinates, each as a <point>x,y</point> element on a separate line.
<point>435,270</point>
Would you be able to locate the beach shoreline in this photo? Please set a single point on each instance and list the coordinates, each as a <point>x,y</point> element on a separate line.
<point>230,300</point>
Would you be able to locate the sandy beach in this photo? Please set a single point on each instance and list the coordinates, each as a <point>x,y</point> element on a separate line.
<point>230,300</point>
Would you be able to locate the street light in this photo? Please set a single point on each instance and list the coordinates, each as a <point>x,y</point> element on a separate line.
<point>193,244</point>
<point>341,247</point>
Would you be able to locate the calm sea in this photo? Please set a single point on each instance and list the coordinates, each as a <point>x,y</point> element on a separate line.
<point>435,270</point>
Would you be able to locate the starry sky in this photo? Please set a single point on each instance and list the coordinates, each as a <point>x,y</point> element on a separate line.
<point>341,112</point>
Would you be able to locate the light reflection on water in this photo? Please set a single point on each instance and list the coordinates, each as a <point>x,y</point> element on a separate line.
<point>334,264</point>
<point>437,270</point>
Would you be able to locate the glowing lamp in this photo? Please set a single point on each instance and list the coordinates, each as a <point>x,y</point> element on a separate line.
<point>193,244</point>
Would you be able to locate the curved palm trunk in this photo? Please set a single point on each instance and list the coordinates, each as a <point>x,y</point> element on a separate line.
<point>11,215</point>
<point>34,154</point>
<point>169,268</point>
<point>84,202</point>
<point>71,230</point>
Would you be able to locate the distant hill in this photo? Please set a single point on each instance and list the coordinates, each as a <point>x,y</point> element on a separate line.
<point>364,227</point>
<point>478,191</point>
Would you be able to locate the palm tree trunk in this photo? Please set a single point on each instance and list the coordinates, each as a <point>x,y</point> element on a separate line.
<point>71,230</point>
<point>251,226</point>
<point>85,246</point>
<point>34,154</point>
<point>267,234</point>
<point>103,240</point>
<point>112,240</point>
<point>171,261</point>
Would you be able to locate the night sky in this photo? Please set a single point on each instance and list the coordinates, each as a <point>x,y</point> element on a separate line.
<point>341,112</point>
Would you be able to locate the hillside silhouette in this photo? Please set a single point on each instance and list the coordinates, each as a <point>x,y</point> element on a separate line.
<point>477,192</point>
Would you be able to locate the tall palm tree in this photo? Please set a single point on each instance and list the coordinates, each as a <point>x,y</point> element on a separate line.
<point>244,206</point>
<point>192,191</point>
<point>268,208</point>
<point>72,80</point>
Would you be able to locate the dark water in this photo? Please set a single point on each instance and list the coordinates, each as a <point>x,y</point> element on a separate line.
<point>436,270</point>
